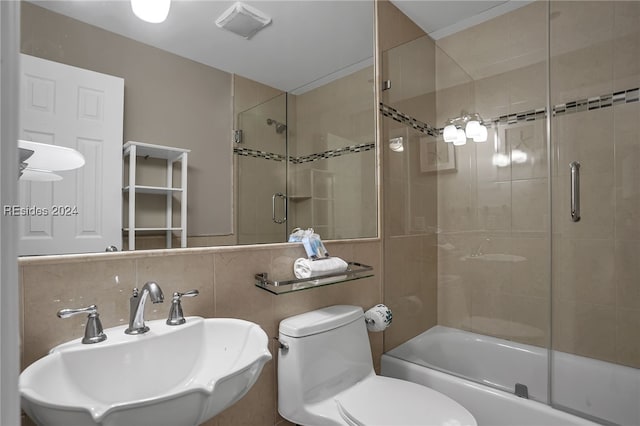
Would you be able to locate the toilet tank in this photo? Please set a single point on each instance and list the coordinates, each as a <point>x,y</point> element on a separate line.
<point>328,352</point>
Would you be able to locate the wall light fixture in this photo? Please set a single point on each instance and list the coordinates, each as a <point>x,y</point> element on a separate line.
<point>468,126</point>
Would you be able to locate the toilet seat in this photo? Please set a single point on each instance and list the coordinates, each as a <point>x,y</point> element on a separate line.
<point>379,400</point>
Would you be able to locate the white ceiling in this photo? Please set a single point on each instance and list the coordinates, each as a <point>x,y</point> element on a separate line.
<point>440,18</point>
<point>308,43</point>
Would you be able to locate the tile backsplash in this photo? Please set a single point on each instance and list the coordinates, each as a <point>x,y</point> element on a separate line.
<point>224,277</point>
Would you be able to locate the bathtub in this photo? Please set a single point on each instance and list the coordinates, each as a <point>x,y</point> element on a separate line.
<point>445,358</point>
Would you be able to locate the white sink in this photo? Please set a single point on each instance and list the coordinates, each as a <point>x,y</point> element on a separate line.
<point>171,375</point>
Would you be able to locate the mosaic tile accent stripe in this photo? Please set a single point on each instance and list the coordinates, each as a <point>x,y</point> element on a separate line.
<point>403,118</point>
<point>588,104</point>
<point>598,102</point>
<point>352,149</point>
<point>247,152</point>
<point>531,115</point>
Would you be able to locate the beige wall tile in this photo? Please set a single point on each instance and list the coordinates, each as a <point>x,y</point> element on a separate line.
<point>495,205</point>
<point>529,320</point>
<point>394,27</point>
<point>581,59</point>
<point>507,42</point>
<point>179,273</point>
<point>454,304</point>
<point>530,207</point>
<point>406,66</point>
<point>585,329</point>
<point>626,119</point>
<point>49,288</point>
<point>529,139</point>
<point>256,407</point>
<point>530,277</point>
<point>235,292</point>
<point>584,137</point>
<point>627,274</point>
<point>628,337</point>
<point>585,272</point>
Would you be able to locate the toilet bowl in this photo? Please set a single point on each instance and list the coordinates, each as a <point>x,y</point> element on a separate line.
<point>326,377</point>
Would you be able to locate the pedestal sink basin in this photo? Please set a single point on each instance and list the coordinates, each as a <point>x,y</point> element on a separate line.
<point>171,375</point>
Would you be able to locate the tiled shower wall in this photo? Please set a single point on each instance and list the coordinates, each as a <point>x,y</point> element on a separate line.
<point>596,277</point>
<point>496,68</point>
<point>333,167</point>
<point>409,191</point>
<point>494,209</point>
<point>225,278</point>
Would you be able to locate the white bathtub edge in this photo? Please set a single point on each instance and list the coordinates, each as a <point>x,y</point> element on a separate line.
<point>490,407</point>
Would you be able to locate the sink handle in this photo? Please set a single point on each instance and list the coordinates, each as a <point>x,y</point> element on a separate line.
<point>176,316</point>
<point>93,332</point>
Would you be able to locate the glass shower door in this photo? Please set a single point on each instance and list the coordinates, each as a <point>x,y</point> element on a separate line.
<point>261,155</point>
<point>595,143</point>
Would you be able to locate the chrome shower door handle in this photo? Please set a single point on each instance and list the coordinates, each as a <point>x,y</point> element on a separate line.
<point>273,207</point>
<point>575,191</point>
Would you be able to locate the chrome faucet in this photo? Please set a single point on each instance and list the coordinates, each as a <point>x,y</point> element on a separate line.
<point>136,304</point>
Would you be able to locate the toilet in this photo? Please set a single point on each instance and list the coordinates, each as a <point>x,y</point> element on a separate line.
<point>326,377</point>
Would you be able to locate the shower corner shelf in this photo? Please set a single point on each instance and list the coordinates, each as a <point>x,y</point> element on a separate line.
<point>355,271</point>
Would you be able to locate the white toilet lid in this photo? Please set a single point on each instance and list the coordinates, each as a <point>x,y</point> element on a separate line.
<point>379,400</point>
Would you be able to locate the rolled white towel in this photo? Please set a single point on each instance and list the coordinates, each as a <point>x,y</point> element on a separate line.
<point>306,268</point>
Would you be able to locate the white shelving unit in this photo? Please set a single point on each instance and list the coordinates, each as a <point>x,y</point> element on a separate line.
<point>172,155</point>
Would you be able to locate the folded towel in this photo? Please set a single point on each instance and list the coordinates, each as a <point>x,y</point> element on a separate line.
<point>318,282</point>
<point>305,268</point>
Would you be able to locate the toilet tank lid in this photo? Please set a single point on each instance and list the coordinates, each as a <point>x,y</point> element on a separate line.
<point>320,320</point>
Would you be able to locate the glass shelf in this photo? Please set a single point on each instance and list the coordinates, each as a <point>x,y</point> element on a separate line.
<point>355,271</point>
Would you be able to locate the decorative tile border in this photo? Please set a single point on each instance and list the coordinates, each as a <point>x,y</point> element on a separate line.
<point>598,102</point>
<point>352,149</point>
<point>247,152</point>
<point>403,118</point>
<point>588,104</point>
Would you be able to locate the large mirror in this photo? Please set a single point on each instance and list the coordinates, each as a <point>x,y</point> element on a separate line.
<point>278,128</point>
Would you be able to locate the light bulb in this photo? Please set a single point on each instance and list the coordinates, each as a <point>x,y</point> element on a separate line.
<point>153,11</point>
<point>450,133</point>
<point>518,156</point>
<point>500,160</point>
<point>473,128</point>
<point>482,134</point>
<point>461,138</point>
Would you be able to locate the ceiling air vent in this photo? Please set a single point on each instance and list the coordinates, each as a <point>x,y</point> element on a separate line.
<point>243,20</point>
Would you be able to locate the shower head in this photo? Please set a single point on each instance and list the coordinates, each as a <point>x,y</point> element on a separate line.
<point>280,127</point>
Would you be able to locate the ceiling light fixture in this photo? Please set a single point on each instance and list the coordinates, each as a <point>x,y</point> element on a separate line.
<point>469,126</point>
<point>153,11</point>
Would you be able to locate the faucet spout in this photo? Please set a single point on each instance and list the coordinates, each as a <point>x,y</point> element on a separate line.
<point>137,302</point>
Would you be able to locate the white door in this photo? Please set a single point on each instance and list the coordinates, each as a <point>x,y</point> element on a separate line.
<point>80,109</point>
